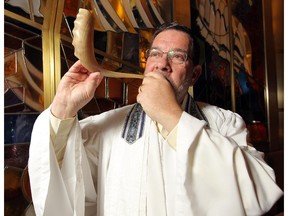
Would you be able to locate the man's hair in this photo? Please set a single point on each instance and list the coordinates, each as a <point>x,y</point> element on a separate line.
<point>194,49</point>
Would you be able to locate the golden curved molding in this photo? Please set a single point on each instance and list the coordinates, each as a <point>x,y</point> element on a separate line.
<point>52,11</point>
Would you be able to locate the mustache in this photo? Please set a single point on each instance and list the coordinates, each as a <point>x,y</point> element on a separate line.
<point>172,83</point>
<point>177,90</point>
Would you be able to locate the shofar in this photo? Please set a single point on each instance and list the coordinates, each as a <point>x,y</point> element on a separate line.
<point>83,39</point>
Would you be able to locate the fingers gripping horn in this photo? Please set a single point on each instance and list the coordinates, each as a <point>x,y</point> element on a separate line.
<point>83,42</point>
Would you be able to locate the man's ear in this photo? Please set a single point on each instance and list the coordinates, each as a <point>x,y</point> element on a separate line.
<point>197,70</point>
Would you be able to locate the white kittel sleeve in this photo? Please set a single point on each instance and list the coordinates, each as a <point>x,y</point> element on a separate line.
<point>217,172</point>
<point>55,190</point>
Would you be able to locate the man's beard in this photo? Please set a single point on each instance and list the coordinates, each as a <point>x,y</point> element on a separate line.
<point>180,91</point>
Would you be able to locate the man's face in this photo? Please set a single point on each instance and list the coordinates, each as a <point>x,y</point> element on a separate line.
<point>179,75</point>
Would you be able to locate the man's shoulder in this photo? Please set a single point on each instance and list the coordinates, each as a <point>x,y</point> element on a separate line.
<point>119,110</point>
<point>217,115</point>
<point>206,107</point>
<point>117,114</point>
<point>104,121</point>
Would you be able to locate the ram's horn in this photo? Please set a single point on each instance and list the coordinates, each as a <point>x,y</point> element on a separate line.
<point>83,39</point>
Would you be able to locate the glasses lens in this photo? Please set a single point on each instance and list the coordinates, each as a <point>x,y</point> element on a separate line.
<point>154,53</point>
<point>177,57</point>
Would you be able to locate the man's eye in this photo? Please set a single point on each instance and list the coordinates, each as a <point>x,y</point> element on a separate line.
<point>179,56</point>
<point>154,54</point>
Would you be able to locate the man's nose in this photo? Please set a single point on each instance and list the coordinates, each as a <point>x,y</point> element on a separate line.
<point>163,63</point>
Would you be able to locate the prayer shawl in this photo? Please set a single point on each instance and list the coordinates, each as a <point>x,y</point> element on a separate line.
<point>117,164</point>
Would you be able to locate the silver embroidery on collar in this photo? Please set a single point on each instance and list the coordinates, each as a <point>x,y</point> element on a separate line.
<point>134,124</point>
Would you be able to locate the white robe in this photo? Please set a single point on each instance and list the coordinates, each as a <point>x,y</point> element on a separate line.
<point>212,172</point>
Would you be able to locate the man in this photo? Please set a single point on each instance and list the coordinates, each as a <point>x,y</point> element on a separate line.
<point>165,155</point>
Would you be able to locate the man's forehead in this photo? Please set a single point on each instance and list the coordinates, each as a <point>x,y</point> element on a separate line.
<point>173,38</point>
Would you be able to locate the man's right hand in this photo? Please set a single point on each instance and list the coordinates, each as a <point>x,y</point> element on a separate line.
<point>76,88</point>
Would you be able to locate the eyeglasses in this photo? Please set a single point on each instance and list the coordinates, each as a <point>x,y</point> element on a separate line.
<point>176,56</point>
